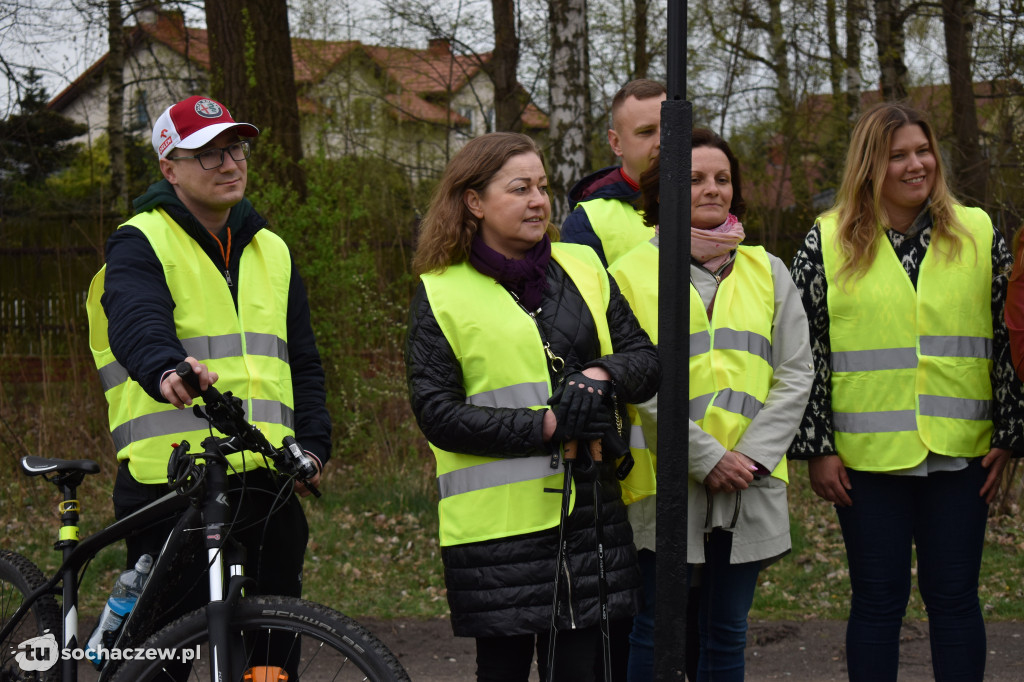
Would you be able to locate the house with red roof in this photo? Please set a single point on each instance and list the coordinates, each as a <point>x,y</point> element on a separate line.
<point>415,107</point>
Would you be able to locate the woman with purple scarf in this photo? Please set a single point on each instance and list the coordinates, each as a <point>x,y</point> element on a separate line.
<point>517,346</point>
<point>750,376</point>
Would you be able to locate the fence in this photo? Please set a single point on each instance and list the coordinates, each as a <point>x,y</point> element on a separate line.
<point>46,264</point>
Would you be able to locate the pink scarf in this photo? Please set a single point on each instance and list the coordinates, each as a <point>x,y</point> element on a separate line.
<point>711,247</point>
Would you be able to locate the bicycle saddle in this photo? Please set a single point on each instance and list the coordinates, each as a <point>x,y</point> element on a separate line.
<point>36,466</point>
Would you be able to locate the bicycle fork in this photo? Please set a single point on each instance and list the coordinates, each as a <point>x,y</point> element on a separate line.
<point>222,598</point>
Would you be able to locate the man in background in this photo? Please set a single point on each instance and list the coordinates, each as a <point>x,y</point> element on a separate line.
<point>603,213</point>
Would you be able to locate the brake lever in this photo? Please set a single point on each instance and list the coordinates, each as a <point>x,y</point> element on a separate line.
<point>303,465</point>
<point>225,412</point>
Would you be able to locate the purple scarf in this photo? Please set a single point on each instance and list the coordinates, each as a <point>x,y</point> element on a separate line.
<point>526,278</point>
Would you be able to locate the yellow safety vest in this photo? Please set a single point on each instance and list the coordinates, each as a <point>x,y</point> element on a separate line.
<point>501,353</point>
<point>911,368</point>
<point>636,273</point>
<point>618,225</point>
<point>248,348</point>
<point>731,354</point>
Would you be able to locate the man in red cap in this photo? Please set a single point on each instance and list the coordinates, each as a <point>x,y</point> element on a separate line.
<point>194,275</point>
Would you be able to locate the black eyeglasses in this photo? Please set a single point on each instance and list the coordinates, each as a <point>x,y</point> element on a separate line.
<point>214,158</point>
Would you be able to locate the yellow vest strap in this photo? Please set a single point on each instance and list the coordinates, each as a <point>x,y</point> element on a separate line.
<point>746,341</point>
<point>636,437</point>
<point>889,421</point>
<point>874,360</point>
<point>112,374</point>
<point>272,412</point>
<point>698,405</point>
<point>169,423</point>
<point>956,408</point>
<point>174,422</point>
<point>493,474</point>
<point>700,343</point>
<point>957,346</point>
<point>209,348</point>
<point>230,345</point>
<point>527,394</point>
<point>727,399</point>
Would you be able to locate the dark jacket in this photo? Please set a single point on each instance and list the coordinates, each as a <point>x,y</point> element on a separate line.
<point>139,308</point>
<point>607,183</point>
<point>504,587</point>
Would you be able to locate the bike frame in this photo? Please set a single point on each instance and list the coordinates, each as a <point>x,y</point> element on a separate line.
<point>213,517</point>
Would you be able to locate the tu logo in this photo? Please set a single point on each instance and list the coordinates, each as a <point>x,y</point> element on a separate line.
<point>37,654</point>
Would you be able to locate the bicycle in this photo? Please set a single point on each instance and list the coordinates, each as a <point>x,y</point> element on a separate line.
<point>234,638</point>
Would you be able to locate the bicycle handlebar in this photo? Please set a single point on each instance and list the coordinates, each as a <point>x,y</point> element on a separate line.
<point>227,414</point>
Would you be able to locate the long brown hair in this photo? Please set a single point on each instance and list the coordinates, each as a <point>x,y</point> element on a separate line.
<point>859,201</point>
<point>447,230</point>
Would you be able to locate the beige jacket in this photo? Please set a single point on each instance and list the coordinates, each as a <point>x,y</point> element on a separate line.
<point>758,517</point>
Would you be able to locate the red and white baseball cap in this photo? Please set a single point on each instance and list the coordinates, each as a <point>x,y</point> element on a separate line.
<point>193,122</point>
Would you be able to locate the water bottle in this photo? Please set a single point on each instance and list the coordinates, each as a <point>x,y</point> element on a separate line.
<point>122,599</point>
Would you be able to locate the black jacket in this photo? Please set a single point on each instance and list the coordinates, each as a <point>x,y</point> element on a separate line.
<point>140,310</point>
<point>504,586</point>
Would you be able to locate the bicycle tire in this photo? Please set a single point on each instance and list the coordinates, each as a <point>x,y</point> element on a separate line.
<point>333,646</point>
<point>19,577</point>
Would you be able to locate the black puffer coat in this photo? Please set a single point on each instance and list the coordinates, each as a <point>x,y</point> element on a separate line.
<point>504,587</point>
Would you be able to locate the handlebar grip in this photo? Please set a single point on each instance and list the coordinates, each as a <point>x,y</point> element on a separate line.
<point>188,375</point>
<point>572,449</point>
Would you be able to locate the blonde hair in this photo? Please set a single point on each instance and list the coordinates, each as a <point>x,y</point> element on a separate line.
<point>447,230</point>
<point>858,208</point>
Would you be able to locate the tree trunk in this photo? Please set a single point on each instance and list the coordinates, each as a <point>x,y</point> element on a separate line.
<point>115,108</point>
<point>508,107</point>
<point>642,58</point>
<point>569,83</point>
<point>787,114</point>
<point>854,13</point>
<point>890,38</point>
<point>253,74</point>
<point>835,57</point>
<point>970,171</point>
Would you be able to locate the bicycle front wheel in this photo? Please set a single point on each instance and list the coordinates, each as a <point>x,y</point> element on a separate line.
<point>31,652</point>
<point>275,635</point>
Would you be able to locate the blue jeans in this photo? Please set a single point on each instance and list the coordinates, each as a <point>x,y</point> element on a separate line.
<point>723,603</point>
<point>943,515</point>
<point>641,638</point>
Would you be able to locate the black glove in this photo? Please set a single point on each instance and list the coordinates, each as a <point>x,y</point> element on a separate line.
<point>601,422</point>
<point>579,401</point>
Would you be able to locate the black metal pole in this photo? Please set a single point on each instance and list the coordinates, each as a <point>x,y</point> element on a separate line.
<point>672,584</point>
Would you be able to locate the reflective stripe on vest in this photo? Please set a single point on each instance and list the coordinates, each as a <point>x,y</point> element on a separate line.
<point>253,365</point>
<point>501,355</point>
<point>731,354</point>
<point>618,225</point>
<point>636,273</point>
<point>911,368</point>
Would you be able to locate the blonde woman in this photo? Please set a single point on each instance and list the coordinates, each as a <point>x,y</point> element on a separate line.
<point>912,413</point>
